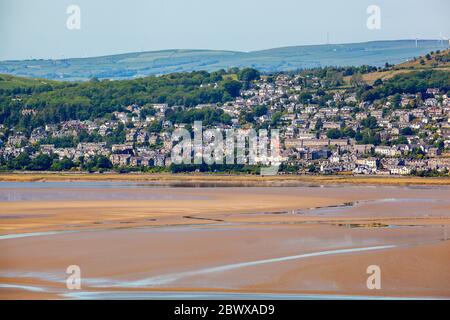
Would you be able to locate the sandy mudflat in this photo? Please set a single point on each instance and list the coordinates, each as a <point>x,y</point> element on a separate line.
<point>295,240</point>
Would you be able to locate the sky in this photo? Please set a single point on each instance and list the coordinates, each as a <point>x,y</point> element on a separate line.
<point>36,29</point>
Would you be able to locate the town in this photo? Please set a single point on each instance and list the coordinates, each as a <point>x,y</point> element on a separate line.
<point>329,123</point>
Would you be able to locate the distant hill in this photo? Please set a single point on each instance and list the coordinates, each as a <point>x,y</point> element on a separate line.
<point>132,65</point>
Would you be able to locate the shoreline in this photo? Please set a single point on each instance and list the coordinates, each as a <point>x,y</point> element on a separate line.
<point>224,179</point>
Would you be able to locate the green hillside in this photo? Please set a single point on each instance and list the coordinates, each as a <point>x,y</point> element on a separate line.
<point>132,65</point>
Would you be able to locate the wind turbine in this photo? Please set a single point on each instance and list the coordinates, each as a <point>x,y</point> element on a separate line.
<point>416,39</point>
<point>443,38</point>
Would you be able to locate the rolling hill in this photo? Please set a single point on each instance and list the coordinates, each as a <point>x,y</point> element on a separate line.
<point>437,61</point>
<point>132,65</point>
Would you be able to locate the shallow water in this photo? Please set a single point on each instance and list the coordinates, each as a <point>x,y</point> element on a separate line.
<point>129,295</point>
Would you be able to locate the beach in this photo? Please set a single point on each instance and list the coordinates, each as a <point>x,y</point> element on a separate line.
<point>144,239</point>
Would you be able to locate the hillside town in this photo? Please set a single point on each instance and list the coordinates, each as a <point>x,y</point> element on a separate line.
<point>324,132</point>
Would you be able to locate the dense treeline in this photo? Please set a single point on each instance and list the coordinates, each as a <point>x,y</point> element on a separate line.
<point>101,163</point>
<point>208,116</point>
<point>413,82</point>
<point>44,162</point>
<point>54,102</point>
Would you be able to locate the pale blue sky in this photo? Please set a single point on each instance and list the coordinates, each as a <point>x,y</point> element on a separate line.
<point>37,28</point>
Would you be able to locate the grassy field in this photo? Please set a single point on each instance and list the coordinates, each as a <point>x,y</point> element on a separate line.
<point>10,82</point>
<point>436,63</point>
<point>224,179</point>
<point>230,76</point>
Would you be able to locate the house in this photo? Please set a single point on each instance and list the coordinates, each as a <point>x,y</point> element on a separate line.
<point>142,137</point>
<point>16,140</point>
<point>316,154</point>
<point>47,148</point>
<point>362,169</point>
<point>387,151</point>
<point>329,168</point>
<point>122,148</point>
<point>439,163</point>
<point>37,135</point>
<point>121,116</point>
<point>131,135</point>
<point>434,152</point>
<point>167,124</point>
<point>338,142</point>
<point>363,148</point>
<point>371,162</point>
<point>120,159</point>
<point>400,170</point>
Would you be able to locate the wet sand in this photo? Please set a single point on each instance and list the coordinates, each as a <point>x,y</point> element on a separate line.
<point>302,241</point>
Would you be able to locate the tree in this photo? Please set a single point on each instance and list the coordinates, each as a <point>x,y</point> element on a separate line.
<point>369,122</point>
<point>305,97</point>
<point>312,168</point>
<point>396,100</point>
<point>20,162</point>
<point>319,124</point>
<point>407,131</point>
<point>103,163</point>
<point>62,165</point>
<point>334,134</point>
<point>248,74</point>
<point>358,136</point>
<point>276,118</point>
<point>440,144</point>
<point>260,111</point>
<point>42,162</point>
<point>248,117</point>
<point>378,82</point>
<point>232,87</point>
<point>368,136</point>
<point>348,132</point>
<point>225,118</point>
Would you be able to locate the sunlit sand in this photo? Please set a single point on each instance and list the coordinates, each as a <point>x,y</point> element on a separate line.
<point>298,242</point>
